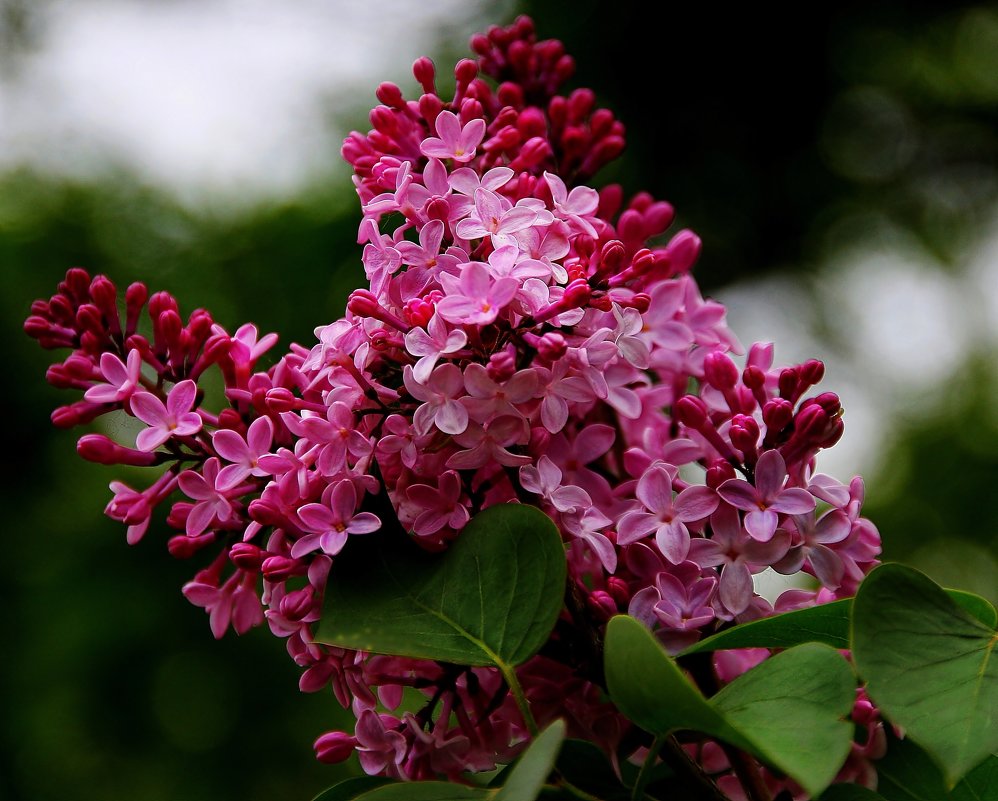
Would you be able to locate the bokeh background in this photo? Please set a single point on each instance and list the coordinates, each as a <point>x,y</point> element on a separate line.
<point>844,179</point>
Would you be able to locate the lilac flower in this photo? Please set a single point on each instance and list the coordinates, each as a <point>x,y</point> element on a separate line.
<point>330,523</point>
<point>557,388</point>
<point>174,419</point>
<point>235,602</point>
<point>211,502</point>
<point>454,141</point>
<point>667,516</point>
<point>679,602</point>
<point>546,480</point>
<point>767,497</point>
<point>587,525</point>
<point>811,543</point>
<point>439,506</point>
<point>731,547</point>
<point>122,378</point>
<point>439,393</point>
<point>431,344</point>
<point>243,453</point>
<point>473,298</point>
<point>489,443</point>
<point>575,206</point>
<point>487,398</point>
<point>335,432</point>
<point>496,217</point>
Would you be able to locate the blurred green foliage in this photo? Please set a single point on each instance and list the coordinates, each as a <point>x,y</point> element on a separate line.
<point>777,149</point>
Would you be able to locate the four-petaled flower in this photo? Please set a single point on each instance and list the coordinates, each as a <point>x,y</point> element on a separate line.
<point>767,497</point>
<point>174,419</point>
<point>330,523</point>
<point>453,140</point>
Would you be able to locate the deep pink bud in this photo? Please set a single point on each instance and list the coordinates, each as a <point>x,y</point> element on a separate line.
<point>501,365</point>
<point>812,371</point>
<point>246,556</point>
<point>465,71</point>
<point>531,122</point>
<point>619,590</point>
<point>602,605</point>
<point>184,547</point>
<point>77,413</point>
<point>744,434</point>
<point>389,94</point>
<point>103,450</point>
<point>720,371</point>
<point>753,377</point>
<point>424,72</point>
<point>280,400</point>
<point>334,746</point>
<point>719,472</point>
<point>297,604</point>
<point>789,379</point>
<point>552,346</point>
<point>281,568</point>
<point>437,209</point>
<point>776,414</point>
<point>691,412</point>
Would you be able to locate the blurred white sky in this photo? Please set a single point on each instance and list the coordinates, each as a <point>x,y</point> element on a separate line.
<point>212,98</point>
<point>243,101</point>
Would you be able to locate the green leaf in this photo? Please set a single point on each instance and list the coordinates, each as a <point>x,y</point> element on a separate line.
<point>928,666</point>
<point>491,599</point>
<point>534,765</point>
<point>349,789</point>
<point>907,774</point>
<point>788,710</point>
<point>425,791</point>
<point>826,623</point>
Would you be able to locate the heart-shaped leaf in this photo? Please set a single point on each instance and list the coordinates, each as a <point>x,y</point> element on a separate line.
<point>491,599</point>
<point>929,666</point>
<point>534,765</point>
<point>827,623</point>
<point>788,710</point>
<point>907,774</point>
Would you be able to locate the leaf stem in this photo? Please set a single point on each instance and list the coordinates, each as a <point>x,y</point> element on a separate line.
<point>509,673</point>
<point>638,791</point>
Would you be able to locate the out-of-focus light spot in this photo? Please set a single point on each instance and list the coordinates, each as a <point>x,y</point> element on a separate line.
<point>215,97</point>
<point>868,135</point>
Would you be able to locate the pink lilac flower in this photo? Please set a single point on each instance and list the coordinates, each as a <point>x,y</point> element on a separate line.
<point>122,378</point>
<point>432,343</point>
<point>497,218</point>
<point>441,407</point>
<point>330,523</point>
<point>768,497</point>
<point>546,480</point>
<point>439,506</point>
<point>489,443</point>
<point>731,548</point>
<point>243,453</point>
<point>212,503</point>
<point>453,140</point>
<point>667,515</point>
<point>174,419</point>
<point>473,298</point>
<point>487,398</point>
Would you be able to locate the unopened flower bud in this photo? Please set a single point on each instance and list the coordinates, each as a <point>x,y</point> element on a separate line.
<point>334,746</point>
<point>246,556</point>
<point>103,450</point>
<point>720,371</point>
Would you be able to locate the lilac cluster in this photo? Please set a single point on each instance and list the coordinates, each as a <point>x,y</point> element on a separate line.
<point>523,339</point>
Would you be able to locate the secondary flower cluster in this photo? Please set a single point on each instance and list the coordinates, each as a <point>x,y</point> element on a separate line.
<point>522,339</point>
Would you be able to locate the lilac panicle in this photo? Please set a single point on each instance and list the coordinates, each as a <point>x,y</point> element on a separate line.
<point>522,338</point>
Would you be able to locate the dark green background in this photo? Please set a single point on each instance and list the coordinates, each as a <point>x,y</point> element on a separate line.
<point>778,149</point>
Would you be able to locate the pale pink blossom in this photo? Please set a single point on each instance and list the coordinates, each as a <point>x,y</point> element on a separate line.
<point>122,378</point>
<point>453,140</point>
<point>487,398</point>
<point>212,505</point>
<point>439,506</point>
<point>439,394</point>
<point>173,419</point>
<point>244,454</point>
<point>767,498</point>
<point>496,217</point>
<point>330,522</point>
<point>546,480</point>
<point>473,298</point>
<point>432,343</point>
<point>490,443</point>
